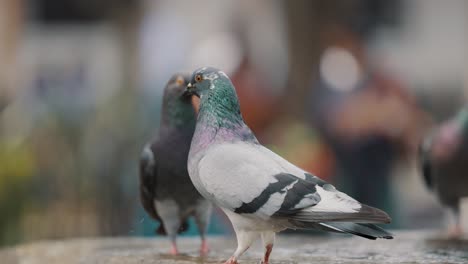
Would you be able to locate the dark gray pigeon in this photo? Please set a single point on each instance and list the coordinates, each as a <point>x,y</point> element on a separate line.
<point>444,163</point>
<point>260,192</point>
<point>166,191</point>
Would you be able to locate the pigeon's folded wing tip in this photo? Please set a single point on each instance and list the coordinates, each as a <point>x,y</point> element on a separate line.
<point>369,231</point>
<point>375,214</point>
<point>365,214</point>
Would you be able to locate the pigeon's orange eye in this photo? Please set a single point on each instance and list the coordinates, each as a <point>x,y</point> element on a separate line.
<point>179,80</point>
<point>198,78</point>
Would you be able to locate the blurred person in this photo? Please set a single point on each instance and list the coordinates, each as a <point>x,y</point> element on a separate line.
<point>366,116</point>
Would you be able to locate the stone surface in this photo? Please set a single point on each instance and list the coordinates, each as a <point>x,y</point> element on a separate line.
<point>407,247</point>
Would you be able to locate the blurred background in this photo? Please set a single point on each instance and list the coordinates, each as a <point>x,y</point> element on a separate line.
<point>345,89</point>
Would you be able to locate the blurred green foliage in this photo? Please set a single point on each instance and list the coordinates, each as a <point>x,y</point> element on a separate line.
<point>72,171</point>
<point>17,166</point>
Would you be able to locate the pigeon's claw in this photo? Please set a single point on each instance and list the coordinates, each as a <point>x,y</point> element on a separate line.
<point>204,249</point>
<point>231,260</point>
<point>174,250</point>
<point>455,232</point>
<point>268,250</point>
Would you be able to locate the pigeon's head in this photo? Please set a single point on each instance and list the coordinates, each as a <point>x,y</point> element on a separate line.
<point>218,98</point>
<point>177,104</point>
<point>176,86</point>
<point>205,80</point>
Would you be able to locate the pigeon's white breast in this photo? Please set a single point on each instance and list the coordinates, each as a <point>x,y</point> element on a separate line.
<point>193,170</point>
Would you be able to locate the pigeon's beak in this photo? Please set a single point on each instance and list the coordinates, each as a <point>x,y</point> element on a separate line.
<point>190,90</point>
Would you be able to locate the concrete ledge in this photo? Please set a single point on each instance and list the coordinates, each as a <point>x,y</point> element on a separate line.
<point>407,247</point>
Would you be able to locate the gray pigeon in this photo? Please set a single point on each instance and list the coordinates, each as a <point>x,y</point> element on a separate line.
<point>166,191</point>
<point>260,192</point>
<point>444,159</point>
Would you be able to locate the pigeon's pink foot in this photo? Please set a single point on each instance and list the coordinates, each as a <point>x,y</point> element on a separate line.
<point>174,250</point>
<point>204,249</point>
<point>455,232</point>
<point>231,260</point>
<point>268,250</point>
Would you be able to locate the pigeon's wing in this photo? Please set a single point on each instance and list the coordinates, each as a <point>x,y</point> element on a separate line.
<point>235,174</point>
<point>148,181</point>
<point>149,170</point>
<point>250,179</point>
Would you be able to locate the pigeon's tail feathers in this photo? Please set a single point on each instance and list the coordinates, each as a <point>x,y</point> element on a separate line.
<point>161,230</point>
<point>365,214</point>
<point>183,227</point>
<point>368,231</point>
<point>425,163</point>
